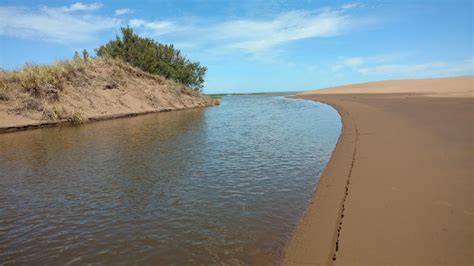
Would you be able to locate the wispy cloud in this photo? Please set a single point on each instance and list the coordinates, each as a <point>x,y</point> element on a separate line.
<point>136,22</point>
<point>79,6</point>
<point>122,11</point>
<point>253,36</point>
<point>351,5</point>
<point>65,24</point>
<point>355,63</point>
<point>437,68</point>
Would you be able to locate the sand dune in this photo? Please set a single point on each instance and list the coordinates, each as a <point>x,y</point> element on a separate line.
<point>441,87</point>
<point>91,90</point>
<point>398,188</point>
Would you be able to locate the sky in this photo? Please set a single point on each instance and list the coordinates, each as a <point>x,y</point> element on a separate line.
<point>259,45</point>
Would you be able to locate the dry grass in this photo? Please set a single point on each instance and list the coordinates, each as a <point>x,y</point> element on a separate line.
<point>76,89</point>
<point>42,82</point>
<point>36,88</point>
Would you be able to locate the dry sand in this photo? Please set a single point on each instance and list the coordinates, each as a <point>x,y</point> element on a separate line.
<point>398,188</point>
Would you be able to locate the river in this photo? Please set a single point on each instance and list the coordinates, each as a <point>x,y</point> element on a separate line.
<point>225,184</point>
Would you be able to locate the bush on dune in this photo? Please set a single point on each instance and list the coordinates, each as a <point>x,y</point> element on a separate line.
<point>56,91</point>
<point>149,56</point>
<point>155,58</point>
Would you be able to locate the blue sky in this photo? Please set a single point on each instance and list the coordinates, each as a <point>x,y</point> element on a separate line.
<point>261,45</point>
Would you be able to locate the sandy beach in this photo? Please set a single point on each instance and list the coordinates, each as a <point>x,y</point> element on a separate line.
<point>398,187</point>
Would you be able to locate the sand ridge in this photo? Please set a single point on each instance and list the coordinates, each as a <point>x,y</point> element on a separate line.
<point>434,87</point>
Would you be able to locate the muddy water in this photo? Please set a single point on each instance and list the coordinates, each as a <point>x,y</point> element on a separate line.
<point>225,184</point>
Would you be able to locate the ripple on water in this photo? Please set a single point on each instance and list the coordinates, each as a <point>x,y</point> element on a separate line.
<point>222,184</point>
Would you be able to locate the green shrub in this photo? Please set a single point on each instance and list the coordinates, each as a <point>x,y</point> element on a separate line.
<point>154,57</point>
<point>85,54</point>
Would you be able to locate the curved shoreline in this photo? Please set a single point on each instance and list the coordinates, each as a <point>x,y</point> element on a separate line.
<point>397,188</point>
<point>324,215</point>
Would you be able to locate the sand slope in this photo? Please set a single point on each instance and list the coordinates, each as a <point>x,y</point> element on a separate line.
<point>398,188</point>
<point>95,89</point>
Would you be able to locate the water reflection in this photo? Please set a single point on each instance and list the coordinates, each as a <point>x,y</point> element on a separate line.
<point>219,185</point>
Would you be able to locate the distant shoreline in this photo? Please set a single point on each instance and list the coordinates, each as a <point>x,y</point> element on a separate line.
<point>283,93</point>
<point>397,187</point>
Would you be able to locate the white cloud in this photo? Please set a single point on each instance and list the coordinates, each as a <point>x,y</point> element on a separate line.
<point>136,22</point>
<point>351,5</point>
<point>159,27</point>
<point>122,11</point>
<point>156,28</point>
<point>257,37</point>
<point>57,24</point>
<point>251,36</point>
<point>79,6</point>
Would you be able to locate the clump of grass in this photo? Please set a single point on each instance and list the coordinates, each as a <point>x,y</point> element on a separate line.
<point>4,95</point>
<point>35,87</point>
<point>54,113</point>
<point>45,80</point>
<point>77,118</point>
<point>32,77</point>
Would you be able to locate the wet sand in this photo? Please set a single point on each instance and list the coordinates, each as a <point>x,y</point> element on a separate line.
<point>398,188</point>
<point>14,123</point>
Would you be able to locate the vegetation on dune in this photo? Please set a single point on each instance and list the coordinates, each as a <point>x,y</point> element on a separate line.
<point>144,53</point>
<point>58,91</point>
<point>154,57</point>
<point>37,88</point>
<point>39,81</point>
<point>55,91</point>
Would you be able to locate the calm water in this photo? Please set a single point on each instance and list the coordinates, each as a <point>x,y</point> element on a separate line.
<point>225,184</point>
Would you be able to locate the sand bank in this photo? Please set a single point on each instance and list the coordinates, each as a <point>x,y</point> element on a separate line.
<point>87,91</point>
<point>398,188</point>
<point>20,123</point>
